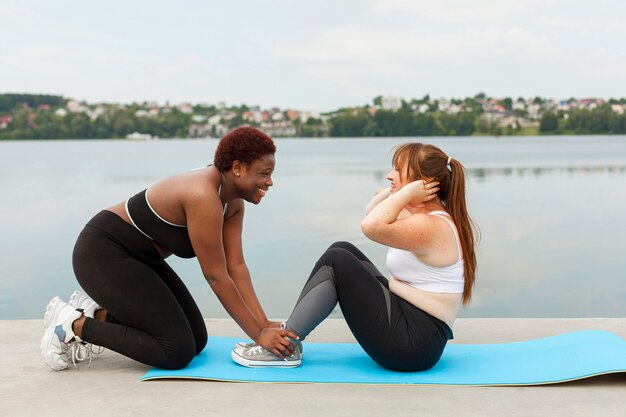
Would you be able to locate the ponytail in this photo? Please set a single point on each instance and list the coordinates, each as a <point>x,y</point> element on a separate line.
<point>428,161</point>
<point>456,206</point>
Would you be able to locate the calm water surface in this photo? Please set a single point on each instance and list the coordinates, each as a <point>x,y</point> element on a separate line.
<point>551,213</point>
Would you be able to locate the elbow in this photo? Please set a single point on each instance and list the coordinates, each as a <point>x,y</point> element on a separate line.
<point>367,227</point>
<point>214,274</point>
<point>210,279</point>
<point>218,286</point>
<point>214,280</point>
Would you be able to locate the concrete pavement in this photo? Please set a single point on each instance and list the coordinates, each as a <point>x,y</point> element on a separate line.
<point>111,386</point>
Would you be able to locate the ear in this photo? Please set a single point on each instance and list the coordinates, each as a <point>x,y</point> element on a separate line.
<point>237,168</point>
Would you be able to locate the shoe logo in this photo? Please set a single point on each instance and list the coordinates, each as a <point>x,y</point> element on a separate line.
<point>60,333</point>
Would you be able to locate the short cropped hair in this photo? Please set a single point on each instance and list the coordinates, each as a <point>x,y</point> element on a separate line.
<point>244,144</point>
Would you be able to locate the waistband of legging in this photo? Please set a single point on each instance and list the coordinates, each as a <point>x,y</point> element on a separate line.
<point>442,325</point>
<point>124,234</point>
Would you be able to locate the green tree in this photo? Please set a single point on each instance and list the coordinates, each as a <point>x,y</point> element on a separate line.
<point>424,124</point>
<point>507,102</point>
<point>347,125</point>
<point>10,101</point>
<point>549,123</point>
<point>398,123</point>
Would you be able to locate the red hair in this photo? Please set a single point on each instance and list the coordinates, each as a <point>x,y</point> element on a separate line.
<point>244,144</point>
<point>428,161</point>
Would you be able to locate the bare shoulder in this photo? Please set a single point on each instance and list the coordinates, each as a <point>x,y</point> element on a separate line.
<point>197,187</point>
<point>428,226</point>
<point>415,232</point>
<point>443,242</point>
<point>177,196</point>
<point>443,221</point>
<point>195,183</point>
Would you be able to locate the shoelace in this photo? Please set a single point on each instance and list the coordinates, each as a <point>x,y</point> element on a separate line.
<point>256,350</point>
<point>79,351</point>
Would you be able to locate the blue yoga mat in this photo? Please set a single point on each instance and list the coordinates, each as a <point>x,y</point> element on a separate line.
<point>548,360</point>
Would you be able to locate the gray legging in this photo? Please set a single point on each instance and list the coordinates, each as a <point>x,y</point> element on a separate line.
<point>394,333</point>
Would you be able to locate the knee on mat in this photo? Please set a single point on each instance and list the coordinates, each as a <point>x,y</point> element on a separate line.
<point>179,358</point>
<point>201,341</point>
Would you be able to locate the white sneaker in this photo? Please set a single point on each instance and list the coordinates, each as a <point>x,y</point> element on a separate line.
<point>59,344</point>
<point>257,356</point>
<point>241,345</point>
<point>81,301</point>
<point>253,355</point>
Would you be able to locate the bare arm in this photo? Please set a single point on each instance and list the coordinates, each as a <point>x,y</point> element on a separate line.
<point>380,196</point>
<point>236,264</point>
<point>412,233</point>
<point>204,223</point>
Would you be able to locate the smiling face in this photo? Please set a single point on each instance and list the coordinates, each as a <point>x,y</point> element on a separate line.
<point>255,178</point>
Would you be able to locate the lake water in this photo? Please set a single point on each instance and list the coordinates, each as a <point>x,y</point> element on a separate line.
<point>551,210</point>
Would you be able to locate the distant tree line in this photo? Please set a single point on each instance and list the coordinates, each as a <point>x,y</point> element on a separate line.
<point>116,123</point>
<point>402,123</point>
<point>8,102</point>
<point>601,120</point>
<point>33,117</point>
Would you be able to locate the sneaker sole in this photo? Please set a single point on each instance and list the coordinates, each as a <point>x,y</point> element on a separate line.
<point>264,364</point>
<point>52,312</point>
<point>50,358</point>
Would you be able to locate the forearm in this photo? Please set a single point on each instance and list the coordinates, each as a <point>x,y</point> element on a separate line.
<point>241,278</point>
<point>387,210</point>
<point>233,302</point>
<point>377,199</point>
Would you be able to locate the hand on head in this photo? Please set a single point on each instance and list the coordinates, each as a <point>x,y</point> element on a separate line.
<point>421,191</point>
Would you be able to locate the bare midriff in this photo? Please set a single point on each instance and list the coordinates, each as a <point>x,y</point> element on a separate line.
<point>444,306</point>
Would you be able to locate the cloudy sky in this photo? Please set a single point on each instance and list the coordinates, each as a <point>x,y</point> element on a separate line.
<point>312,55</point>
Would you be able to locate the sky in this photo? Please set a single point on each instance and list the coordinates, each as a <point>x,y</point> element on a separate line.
<point>312,55</point>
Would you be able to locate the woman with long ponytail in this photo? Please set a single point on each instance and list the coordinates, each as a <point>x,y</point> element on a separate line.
<point>403,322</point>
<point>429,163</point>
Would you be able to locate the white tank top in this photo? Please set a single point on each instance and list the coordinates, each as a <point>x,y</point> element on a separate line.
<point>406,267</point>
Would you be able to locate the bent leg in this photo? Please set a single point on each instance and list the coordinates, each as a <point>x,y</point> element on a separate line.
<point>186,301</point>
<point>361,257</point>
<point>150,325</point>
<point>396,334</point>
<point>319,295</point>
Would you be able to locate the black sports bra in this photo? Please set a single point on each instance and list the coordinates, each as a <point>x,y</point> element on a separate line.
<point>173,237</point>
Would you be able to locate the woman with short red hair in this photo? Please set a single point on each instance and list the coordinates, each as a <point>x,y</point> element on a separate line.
<point>137,305</point>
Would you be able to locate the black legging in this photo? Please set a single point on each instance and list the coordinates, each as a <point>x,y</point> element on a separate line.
<point>151,317</point>
<point>393,332</point>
